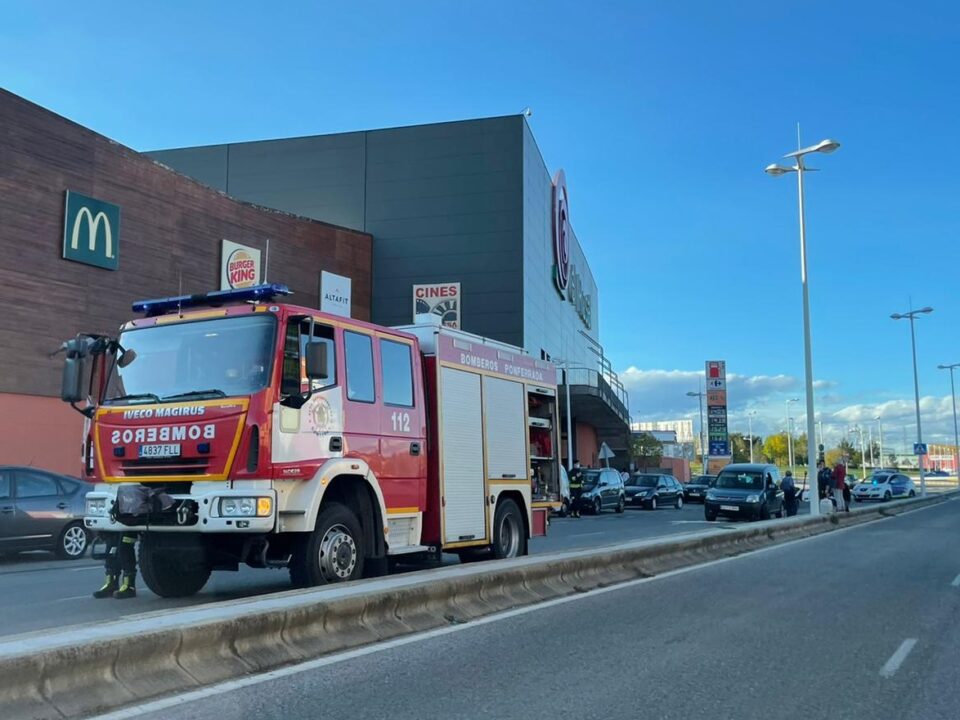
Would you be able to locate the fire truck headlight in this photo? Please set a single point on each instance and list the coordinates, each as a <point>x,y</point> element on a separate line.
<point>244,507</point>
<point>97,507</point>
<point>264,506</point>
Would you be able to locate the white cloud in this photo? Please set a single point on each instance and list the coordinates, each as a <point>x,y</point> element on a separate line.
<point>936,415</point>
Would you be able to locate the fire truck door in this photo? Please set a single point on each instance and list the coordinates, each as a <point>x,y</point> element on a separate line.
<point>461,438</point>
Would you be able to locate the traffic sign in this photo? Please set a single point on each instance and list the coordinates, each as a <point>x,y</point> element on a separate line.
<point>605,452</point>
<point>919,448</point>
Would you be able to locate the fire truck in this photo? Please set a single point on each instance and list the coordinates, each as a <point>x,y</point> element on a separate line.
<point>279,436</point>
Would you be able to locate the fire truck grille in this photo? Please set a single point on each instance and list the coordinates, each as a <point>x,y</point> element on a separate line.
<point>165,466</point>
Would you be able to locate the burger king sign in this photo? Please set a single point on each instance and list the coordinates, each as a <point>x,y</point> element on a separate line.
<point>239,266</point>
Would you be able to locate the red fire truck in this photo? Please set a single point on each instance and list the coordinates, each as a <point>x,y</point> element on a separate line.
<point>279,436</point>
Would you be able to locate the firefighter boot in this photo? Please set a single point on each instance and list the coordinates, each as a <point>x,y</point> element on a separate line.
<point>109,585</point>
<point>127,588</point>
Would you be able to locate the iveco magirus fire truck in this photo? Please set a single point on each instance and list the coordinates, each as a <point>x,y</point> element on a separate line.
<point>281,436</point>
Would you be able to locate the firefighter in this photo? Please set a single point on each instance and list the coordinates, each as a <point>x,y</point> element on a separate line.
<point>120,565</point>
<point>576,489</point>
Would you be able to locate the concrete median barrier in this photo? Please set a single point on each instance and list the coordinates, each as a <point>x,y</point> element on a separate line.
<point>92,668</point>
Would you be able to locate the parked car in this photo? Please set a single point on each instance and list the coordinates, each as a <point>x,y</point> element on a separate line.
<point>937,473</point>
<point>40,510</point>
<point>602,489</point>
<point>884,486</point>
<point>652,490</point>
<point>697,488</point>
<point>745,490</point>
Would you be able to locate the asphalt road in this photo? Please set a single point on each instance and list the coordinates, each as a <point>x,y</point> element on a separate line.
<point>37,593</point>
<point>857,624</point>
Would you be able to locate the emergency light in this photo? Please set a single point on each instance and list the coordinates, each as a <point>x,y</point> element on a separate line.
<point>159,306</point>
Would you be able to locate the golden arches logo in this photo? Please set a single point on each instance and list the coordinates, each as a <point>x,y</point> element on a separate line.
<point>93,224</point>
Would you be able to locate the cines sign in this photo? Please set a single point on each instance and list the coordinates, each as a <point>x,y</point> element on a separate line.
<point>565,276</point>
<point>91,231</point>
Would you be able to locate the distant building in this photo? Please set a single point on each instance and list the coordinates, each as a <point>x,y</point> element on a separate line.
<point>682,440</point>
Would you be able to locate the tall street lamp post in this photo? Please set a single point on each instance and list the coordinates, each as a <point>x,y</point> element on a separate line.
<point>956,435</point>
<point>790,436</point>
<point>880,437</point>
<point>824,146</point>
<point>911,316</point>
<point>750,424</point>
<point>703,446</point>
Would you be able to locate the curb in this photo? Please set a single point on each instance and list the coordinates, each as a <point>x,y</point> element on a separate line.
<point>93,668</point>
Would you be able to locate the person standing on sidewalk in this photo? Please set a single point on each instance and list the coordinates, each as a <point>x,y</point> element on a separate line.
<point>576,489</point>
<point>789,488</point>
<point>839,483</point>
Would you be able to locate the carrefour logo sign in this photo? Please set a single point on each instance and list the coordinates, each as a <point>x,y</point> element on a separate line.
<point>91,231</point>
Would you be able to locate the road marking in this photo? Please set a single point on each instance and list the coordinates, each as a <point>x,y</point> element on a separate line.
<point>75,597</point>
<point>250,680</point>
<point>956,581</point>
<point>896,660</point>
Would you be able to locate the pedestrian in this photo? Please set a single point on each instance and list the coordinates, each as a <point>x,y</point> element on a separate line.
<point>824,479</point>
<point>839,483</point>
<point>576,489</point>
<point>120,566</point>
<point>789,488</point>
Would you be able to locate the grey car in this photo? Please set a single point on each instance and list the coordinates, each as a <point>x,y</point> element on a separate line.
<point>602,489</point>
<point>40,510</point>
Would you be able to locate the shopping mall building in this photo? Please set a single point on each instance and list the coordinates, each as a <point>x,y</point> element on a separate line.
<point>459,219</point>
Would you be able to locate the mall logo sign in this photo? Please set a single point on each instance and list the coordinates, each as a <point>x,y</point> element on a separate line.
<point>91,231</point>
<point>565,275</point>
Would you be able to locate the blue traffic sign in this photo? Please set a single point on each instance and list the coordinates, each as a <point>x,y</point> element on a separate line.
<point>919,448</point>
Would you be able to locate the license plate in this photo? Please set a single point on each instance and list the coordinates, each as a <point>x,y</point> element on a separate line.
<point>159,451</point>
<point>693,493</point>
<point>732,508</point>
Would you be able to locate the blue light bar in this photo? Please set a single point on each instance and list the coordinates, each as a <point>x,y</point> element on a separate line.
<point>152,308</point>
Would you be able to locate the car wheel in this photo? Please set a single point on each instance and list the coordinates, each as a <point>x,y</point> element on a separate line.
<point>779,513</point>
<point>679,504</point>
<point>73,541</point>
<point>621,504</point>
<point>333,552</point>
<point>912,494</point>
<point>597,506</point>
<point>710,516</point>
<point>886,496</point>
<point>652,505</point>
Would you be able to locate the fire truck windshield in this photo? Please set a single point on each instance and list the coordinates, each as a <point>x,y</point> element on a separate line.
<point>195,360</point>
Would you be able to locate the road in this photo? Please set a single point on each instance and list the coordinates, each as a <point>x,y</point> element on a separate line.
<point>39,593</point>
<point>857,624</point>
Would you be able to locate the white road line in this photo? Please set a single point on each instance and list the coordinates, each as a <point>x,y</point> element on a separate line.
<point>896,660</point>
<point>75,597</point>
<point>233,685</point>
<point>956,581</point>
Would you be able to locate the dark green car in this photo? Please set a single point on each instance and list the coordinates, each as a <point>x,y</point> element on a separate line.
<point>745,490</point>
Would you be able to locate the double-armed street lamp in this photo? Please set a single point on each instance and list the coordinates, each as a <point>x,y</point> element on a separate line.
<point>824,146</point>
<point>911,316</point>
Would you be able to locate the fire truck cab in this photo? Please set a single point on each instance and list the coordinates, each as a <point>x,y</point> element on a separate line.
<point>275,435</point>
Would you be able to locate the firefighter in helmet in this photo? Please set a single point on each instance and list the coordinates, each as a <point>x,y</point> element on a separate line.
<point>576,488</point>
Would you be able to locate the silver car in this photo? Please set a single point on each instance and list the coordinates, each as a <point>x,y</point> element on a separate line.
<point>884,486</point>
<point>40,510</point>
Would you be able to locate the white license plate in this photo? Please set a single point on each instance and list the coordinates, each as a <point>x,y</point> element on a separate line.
<point>159,451</point>
<point>732,508</point>
<point>693,493</point>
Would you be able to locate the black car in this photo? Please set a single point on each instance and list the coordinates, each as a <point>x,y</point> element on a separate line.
<point>697,488</point>
<point>653,490</point>
<point>745,490</point>
<point>602,489</point>
<point>40,510</point>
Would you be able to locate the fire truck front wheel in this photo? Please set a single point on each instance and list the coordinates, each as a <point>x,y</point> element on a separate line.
<point>333,552</point>
<point>169,572</point>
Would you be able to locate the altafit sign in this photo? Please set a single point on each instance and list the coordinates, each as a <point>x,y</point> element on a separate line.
<point>239,266</point>
<point>91,231</point>
<point>335,293</point>
<point>566,279</point>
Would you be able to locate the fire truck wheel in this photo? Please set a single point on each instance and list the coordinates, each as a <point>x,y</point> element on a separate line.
<point>332,552</point>
<point>167,574</point>
<point>509,538</point>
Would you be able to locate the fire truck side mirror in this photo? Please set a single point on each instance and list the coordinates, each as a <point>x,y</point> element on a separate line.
<point>316,357</point>
<point>71,386</point>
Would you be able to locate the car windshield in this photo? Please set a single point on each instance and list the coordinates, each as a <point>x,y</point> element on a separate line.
<point>740,480</point>
<point>211,358</point>
<point>642,481</point>
<point>702,480</point>
<point>591,478</point>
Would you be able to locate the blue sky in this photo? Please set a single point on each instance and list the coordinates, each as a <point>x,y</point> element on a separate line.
<point>663,116</point>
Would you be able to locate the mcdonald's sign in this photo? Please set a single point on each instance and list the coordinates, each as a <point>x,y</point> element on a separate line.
<point>91,231</point>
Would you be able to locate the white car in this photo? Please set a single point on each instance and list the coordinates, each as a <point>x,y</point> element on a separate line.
<point>884,486</point>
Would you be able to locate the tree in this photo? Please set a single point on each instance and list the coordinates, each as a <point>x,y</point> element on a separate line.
<point>775,448</point>
<point>646,446</point>
<point>800,449</point>
<point>739,447</point>
<point>892,460</point>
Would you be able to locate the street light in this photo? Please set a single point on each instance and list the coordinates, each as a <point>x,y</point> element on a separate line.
<point>750,416</point>
<point>863,454</point>
<point>880,432</point>
<point>790,436</point>
<point>824,146</point>
<point>916,383</point>
<point>703,447</point>
<point>956,435</point>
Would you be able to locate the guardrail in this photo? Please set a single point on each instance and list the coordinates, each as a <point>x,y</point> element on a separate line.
<point>97,667</point>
